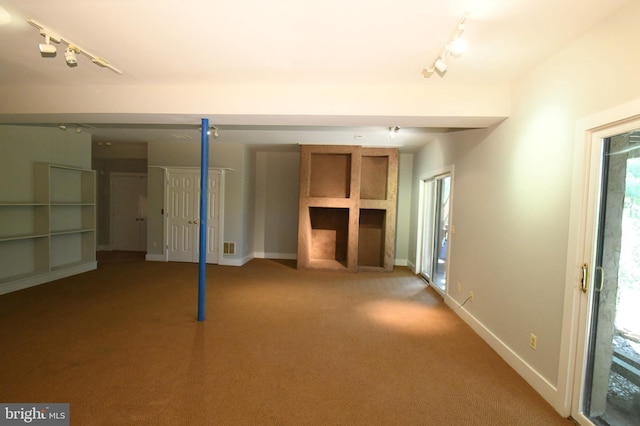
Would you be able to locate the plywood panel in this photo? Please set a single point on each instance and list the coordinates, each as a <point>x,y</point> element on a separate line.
<point>373,184</point>
<point>371,238</point>
<point>330,175</point>
<point>329,233</point>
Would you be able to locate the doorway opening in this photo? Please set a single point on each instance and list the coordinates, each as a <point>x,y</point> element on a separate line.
<point>114,163</point>
<point>434,246</point>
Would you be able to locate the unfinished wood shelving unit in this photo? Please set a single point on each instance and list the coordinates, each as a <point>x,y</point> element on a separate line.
<point>347,208</point>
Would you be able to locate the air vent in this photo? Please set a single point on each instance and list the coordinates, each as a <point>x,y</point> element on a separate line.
<point>229,247</point>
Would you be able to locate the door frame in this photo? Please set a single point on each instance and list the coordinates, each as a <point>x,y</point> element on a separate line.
<point>112,211</point>
<point>446,171</point>
<point>165,218</point>
<point>582,227</point>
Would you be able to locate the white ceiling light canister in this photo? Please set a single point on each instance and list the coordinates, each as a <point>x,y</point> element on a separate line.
<point>70,56</point>
<point>456,46</point>
<point>48,50</point>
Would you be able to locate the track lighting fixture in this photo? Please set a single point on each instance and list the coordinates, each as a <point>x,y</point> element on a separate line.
<point>212,130</point>
<point>72,50</point>
<point>454,47</point>
<point>393,131</point>
<point>47,50</point>
<point>440,65</point>
<point>62,126</point>
<point>70,56</point>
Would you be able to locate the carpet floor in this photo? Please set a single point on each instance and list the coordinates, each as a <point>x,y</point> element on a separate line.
<point>122,346</point>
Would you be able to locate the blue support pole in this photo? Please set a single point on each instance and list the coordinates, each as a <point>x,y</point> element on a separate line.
<point>204,195</point>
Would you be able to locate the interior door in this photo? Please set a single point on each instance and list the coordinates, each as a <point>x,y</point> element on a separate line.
<point>183,215</point>
<point>128,211</point>
<point>608,370</point>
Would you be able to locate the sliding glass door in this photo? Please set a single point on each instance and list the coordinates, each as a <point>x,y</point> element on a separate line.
<point>610,379</point>
<point>435,230</point>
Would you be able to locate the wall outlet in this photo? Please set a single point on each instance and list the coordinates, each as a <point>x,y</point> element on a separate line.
<point>533,341</point>
<point>459,287</point>
<point>471,296</point>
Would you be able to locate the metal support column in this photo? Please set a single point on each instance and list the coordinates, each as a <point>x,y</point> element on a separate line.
<point>204,195</point>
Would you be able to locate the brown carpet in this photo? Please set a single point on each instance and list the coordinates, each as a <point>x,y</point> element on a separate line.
<point>278,347</point>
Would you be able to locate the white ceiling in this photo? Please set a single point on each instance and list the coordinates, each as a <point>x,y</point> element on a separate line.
<point>279,43</point>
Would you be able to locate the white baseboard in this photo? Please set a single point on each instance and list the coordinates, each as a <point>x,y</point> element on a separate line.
<point>545,388</point>
<point>401,262</point>
<point>155,257</point>
<point>412,266</point>
<point>47,277</point>
<point>284,256</point>
<point>236,262</point>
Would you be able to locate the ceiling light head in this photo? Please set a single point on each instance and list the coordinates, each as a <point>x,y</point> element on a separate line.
<point>393,131</point>
<point>47,50</point>
<point>440,65</point>
<point>211,130</point>
<point>5,17</point>
<point>62,126</point>
<point>70,56</point>
<point>457,47</point>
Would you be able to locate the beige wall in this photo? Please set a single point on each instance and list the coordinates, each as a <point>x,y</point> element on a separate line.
<point>512,190</point>
<point>23,146</point>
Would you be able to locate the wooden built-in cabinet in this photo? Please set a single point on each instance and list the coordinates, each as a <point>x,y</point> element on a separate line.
<point>52,236</point>
<point>347,208</point>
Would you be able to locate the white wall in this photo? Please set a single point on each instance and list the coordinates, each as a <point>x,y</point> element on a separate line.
<point>276,220</point>
<point>23,146</point>
<point>512,188</point>
<point>405,173</point>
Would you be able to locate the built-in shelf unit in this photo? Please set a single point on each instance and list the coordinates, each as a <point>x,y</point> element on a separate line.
<point>347,208</point>
<point>52,236</point>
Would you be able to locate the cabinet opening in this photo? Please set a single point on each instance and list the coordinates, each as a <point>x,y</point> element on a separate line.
<point>371,237</point>
<point>373,182</point>
<point>330,175</point>
<point>329,234</point>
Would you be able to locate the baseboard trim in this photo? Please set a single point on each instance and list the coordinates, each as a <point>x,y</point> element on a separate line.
<point>283,256</point>
<point>541,385</point>
<point>155,257</point>
<point>35,280</point>
<point>236,262</point>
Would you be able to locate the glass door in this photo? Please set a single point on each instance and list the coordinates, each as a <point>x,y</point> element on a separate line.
<point>435,232</point>
<point>611,382</point>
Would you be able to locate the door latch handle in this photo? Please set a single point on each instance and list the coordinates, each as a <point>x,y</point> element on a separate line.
<point>601,281</point>
<point>585,275</point>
